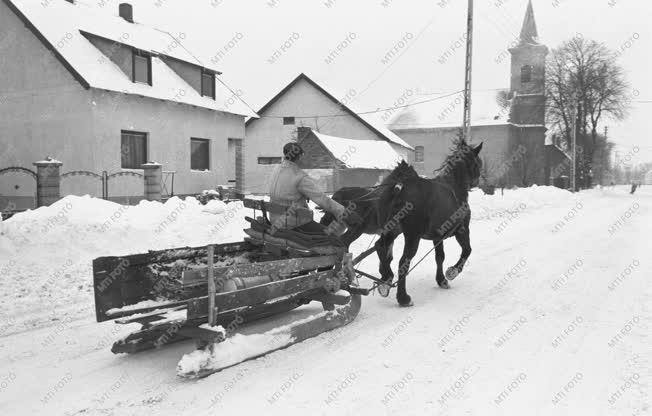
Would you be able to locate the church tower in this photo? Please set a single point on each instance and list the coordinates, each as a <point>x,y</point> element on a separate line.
<point>528,74</point>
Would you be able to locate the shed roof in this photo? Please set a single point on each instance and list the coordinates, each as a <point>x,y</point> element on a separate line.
<point>366,154</point>
<point>61,27</point>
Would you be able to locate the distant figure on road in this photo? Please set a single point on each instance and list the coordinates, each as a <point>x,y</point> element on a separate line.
<point>634,186</point>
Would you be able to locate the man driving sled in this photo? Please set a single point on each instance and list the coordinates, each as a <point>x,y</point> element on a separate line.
<point>292,187</point>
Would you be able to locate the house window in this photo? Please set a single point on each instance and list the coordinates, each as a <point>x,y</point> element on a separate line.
<point>207,84</point>
<point>418,153</point>
<point>288,120</point>
<point>133,149</point>
<point>267,160</point>
<point>199,154</point>
<point>142,67</point>
<point>526,73</point>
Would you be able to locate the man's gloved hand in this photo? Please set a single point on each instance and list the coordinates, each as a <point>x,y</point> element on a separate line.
<point>351,218</point>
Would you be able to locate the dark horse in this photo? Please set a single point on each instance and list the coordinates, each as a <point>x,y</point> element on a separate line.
<point>430,209</point>
<point>364,202</point>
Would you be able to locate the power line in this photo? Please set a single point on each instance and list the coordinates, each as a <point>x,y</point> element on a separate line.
<point>371,111</point>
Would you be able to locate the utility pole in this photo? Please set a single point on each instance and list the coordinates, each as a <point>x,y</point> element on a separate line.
<point>603,163</point>
<point>466,125</point>
<point>574,146</point>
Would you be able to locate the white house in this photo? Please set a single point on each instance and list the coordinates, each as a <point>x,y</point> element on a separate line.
<point>107,93</point>
<point>304,103</point>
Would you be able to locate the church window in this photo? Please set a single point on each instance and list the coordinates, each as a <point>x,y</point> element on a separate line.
<point>526,73</point>
<point>418,153</point>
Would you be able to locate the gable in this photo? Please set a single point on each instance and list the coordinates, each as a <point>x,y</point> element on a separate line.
<point>327,109</point>
<point>32,65</point>
<point>92,68</point>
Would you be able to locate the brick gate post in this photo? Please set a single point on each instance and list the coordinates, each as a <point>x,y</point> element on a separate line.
<point>47,181</point>
<point>153,174</point>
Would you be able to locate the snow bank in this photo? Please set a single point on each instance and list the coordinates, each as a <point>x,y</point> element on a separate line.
<point>46,253</point>
<point>521,199</point>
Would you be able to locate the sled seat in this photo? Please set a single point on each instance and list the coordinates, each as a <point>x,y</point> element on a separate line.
<point>262,232</point>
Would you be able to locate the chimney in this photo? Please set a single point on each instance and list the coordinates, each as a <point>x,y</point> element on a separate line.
<point>126,11</point>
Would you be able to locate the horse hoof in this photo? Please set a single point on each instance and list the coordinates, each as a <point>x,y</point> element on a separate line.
<point>405,302</point>
<point>452,273</point>
<point>444,284</point>
<point>383,290</point>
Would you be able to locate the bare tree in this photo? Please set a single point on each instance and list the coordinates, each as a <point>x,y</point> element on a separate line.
<point>584,71</point>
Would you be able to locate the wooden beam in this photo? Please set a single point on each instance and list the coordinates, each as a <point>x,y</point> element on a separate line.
<point>339,298</point>
<point>276,269</point>
<point>302,214</point>
<point>260,294</point>
<point>211,287</point>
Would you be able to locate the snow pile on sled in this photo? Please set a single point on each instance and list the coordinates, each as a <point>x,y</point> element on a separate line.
<point>232,351</point>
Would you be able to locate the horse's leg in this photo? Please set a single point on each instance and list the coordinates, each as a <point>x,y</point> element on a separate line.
<point>410,249</point>
<point>385,250</point>
<point>439,258</point>
<point>463,238</point>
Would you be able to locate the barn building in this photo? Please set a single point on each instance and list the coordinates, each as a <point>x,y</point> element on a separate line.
<point>106,93</point>
<point>510,122</point>
<point>305,103</point>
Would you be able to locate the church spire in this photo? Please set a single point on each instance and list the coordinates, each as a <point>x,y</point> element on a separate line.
<point>529,32</point>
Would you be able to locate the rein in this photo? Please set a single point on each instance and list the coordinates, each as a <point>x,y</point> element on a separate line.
<point>373,189</point>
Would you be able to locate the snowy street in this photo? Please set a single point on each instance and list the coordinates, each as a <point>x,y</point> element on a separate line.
<point>551,313</point>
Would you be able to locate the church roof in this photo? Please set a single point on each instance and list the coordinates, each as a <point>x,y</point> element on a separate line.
<point>529,33</point>
<point>448,112</point>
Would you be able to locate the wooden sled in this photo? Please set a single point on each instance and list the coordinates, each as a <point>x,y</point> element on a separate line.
<point>195,292</point>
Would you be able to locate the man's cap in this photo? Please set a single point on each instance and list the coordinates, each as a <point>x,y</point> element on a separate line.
<point>292,150</point>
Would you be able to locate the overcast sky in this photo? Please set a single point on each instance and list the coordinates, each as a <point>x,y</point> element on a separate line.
<point>312,29</point>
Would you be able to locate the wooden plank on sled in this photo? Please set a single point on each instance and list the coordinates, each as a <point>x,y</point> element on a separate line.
<point>302,214</point>
<point>198,307</point>
<point>276,269</point>
<point>340,298</point>
<point>140,311</point>
<point>152,316</point>
<point>127,280</point>
<point>287,244</point>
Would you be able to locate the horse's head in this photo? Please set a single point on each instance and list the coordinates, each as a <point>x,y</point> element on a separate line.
<point>474,164</point>
<point>402,172</point>
<point>463,164</point>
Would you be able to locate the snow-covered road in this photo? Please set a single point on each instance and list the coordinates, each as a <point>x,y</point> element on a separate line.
<point>550,317</point>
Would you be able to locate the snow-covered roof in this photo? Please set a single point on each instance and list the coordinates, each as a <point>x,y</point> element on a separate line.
<point>367,154</point>
<point>448,112</point>
<point>61,27</point>
<point>370,120</point>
